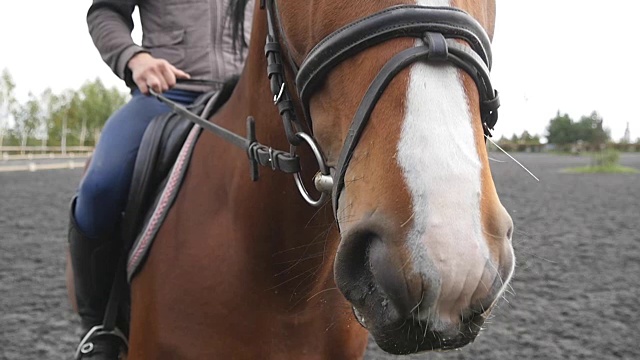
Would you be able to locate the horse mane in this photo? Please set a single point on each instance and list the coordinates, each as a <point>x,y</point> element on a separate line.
<point>236,13</point>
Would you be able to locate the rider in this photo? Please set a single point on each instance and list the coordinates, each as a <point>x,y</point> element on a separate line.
<point>182,39</point>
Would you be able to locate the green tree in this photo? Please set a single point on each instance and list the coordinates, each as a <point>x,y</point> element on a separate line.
<point>42,132</point>
<point>82,113</point>
<point>597,134</point>
<point>583,130</point>
<point>7,102</point>
<point>53,118</point>
<point>97,103</point>
<point>529,139</point>
<point>561,130</point>
<point>536,139</point>
<point>77,117</point>
<point>590,129</point>
<point>526,138</point>
<point>27,118</point>
<point>58,111</point>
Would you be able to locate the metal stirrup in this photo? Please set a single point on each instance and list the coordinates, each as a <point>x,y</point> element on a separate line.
<point>86,347</point>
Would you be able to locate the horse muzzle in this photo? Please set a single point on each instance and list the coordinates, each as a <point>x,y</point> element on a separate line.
<point>409,311</point>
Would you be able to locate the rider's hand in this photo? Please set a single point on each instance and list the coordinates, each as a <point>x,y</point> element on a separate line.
<point>157,74</point>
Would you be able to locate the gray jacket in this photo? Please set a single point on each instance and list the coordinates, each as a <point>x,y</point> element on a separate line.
<point>193,35</point>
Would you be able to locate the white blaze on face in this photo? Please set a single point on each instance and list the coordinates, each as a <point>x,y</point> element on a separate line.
<point>437,153</point>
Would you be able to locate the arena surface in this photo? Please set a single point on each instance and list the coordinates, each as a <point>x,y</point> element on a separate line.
<point>577,283</point>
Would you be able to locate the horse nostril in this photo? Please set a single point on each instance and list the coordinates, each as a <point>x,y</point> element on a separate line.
<point>352,272</point>
<point>369,273</point>
<point>387,271</point>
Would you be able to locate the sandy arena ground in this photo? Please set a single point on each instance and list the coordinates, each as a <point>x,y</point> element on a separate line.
<point>577,283</point>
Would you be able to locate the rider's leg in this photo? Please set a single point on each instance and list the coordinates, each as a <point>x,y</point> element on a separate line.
<point>104,189</point>
<point>97,209</point>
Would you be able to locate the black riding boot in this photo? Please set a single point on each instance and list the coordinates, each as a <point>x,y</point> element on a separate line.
<point>94,264</point>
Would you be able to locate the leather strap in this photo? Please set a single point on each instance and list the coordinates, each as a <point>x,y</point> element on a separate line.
<point>258,154</point>
<point>275,71</point>
<point>361,118</point>
<point>467,60</point>
<point>437,49</point>
<point>394,22</point>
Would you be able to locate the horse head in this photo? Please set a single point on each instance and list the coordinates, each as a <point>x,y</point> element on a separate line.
<point>425,249</point>
<point>395,100</point>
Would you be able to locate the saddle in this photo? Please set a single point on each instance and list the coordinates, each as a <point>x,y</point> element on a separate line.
<point>162,143</point>
<point>164,151</point>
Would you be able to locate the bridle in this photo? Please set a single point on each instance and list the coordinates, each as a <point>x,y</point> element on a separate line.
<point>438,27</point>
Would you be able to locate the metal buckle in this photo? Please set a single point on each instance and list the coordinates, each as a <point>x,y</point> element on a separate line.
<point>323,180</point>
<point>272,160</point>
<point>276,98</point>
<point>87,348</point>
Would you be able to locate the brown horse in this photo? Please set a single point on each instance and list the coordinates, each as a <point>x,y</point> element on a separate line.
<point>421,249</point>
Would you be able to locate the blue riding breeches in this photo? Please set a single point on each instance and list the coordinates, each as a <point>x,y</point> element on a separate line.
<point>103,192</point>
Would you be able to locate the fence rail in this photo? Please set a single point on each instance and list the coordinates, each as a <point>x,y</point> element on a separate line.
<point>32,167</point>
<point>9,153</point>
<point>34,149</point>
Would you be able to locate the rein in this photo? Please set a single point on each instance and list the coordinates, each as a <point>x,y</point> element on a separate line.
<point>439,28</point>
<point>258,154</point>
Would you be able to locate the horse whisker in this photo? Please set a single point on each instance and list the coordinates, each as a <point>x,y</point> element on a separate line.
<point>497,237</point>
<point>291,279</point>
<point>298,261</point>
<point>297,247</point>
<point>512,158</point>
<point>539,257</point>
<point>320,292</point>
<point>407,221</point>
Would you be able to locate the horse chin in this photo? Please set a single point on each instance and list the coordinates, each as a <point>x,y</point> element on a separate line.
<point>400,335</point>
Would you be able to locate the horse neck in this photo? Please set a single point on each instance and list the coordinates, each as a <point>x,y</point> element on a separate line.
<point>293,242</point>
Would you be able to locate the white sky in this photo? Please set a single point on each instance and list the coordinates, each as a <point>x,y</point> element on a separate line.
<point>573,55</point>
